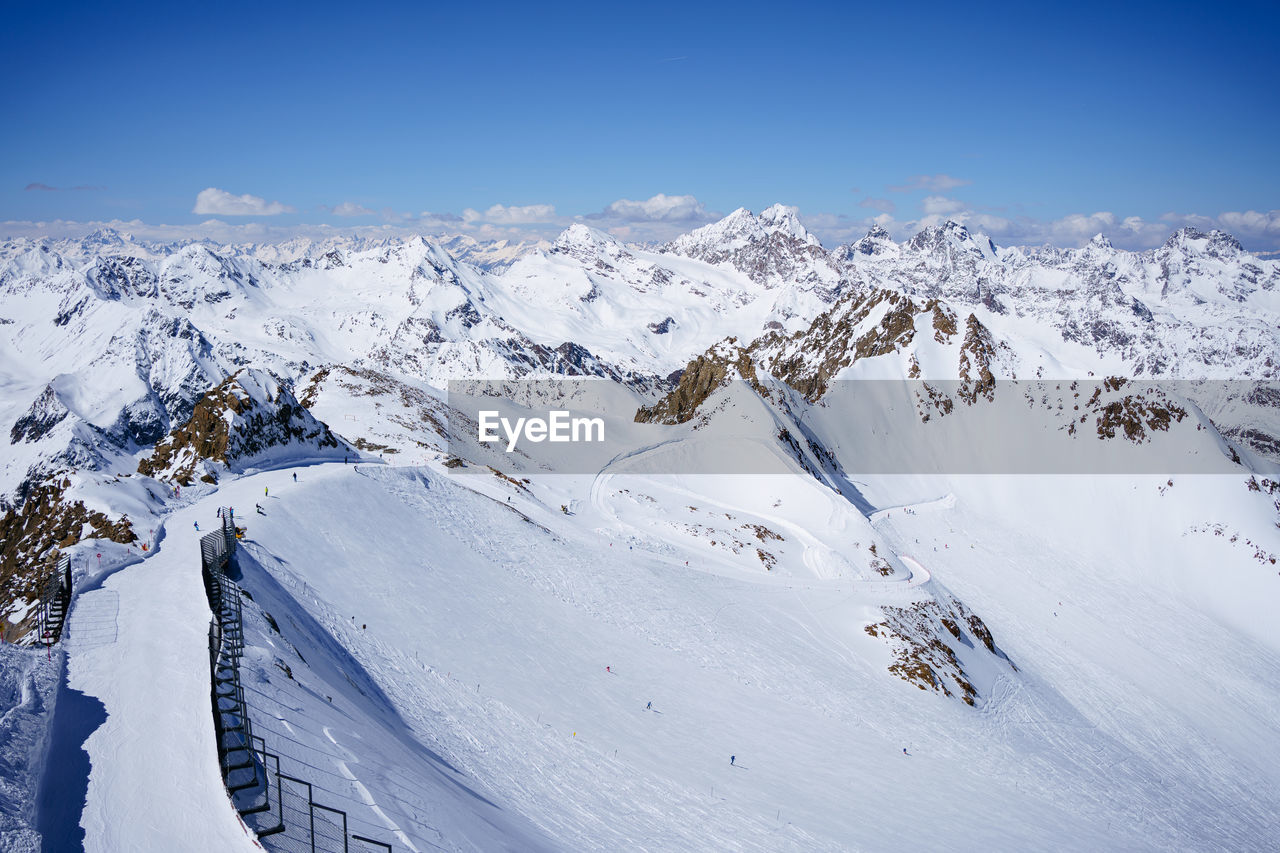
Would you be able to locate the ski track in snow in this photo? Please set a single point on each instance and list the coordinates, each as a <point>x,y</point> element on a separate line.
<point>363,792</point>
<point>488,759</point>
<point>1113,746</point>
<point>139,645</point>
<point>479,684</point>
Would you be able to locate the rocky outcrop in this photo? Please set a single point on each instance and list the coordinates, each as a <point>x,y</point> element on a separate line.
<point>926,636</point>
<point>243,421</point>
<point>714,369</point>
<point>32,535</point>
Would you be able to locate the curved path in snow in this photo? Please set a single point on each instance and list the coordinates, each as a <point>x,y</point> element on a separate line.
<point>816,554</point>
<point>947,501</point>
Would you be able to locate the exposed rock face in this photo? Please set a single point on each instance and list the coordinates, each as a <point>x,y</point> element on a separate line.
<point>1134,415</point>
<point>925,637</point>
<point>45,413</point>
<point>32,535</point>
<point>716,368</point>
<point>773,249</point>
<point>976,356</point>
<point>236,425</point>
<point>856,327</point>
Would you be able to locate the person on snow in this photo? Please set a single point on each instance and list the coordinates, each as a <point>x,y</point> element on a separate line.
<point>732,759</point>
<point>266,492</point>
<point>649,707</point>
<point>258,507</point>
<point>197,524</point>
<point>295,476</point>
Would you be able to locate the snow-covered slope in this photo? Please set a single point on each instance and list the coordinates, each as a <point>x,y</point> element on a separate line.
<point>109,341</point>
<point>428,625</point>
<point>463,657</point>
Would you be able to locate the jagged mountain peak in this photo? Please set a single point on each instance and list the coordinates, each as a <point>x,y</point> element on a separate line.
<point>492,256</point>
<point>773,248</point>
<point>581,234</point>
<point>786,220</point>
<point>742,226</point>
<point>876,241</point>
<point>1100,241</point>
<point>249,419</point>
<point>737,219</point>
<point>423,255</point>
<point>106,237</point>
<point>1214,243</point>
<point>953,234</point>
<point>587,244</point>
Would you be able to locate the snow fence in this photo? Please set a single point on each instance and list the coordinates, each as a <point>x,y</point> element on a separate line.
<point>279,808</point>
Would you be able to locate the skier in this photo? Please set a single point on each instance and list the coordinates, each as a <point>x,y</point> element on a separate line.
<point>295,476</point>
<point>266,492</point>
<point>649,707</point>
<point>197,524</point>
<point>904,751</point>
<point>732,759</point>
<point>608,670</point>
<point>259,508</point>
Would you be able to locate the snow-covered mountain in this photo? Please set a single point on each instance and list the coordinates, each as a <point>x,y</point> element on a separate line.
<point>490,255</point>
<point>424,622</point>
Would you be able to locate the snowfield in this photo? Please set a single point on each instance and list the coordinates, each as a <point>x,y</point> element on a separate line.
<point>650,652</point>
<point>469,673</point>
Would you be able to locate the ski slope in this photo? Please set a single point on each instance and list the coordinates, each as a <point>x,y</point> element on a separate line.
<point>137,684</point>
<point>473,673</point>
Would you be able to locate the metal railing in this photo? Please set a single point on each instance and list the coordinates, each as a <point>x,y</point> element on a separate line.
<point>280,808</point>
<point>55,599</point>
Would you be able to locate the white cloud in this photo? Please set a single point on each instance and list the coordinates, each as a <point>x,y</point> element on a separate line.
<point>1131,232</point>
<point>1075,229</point>
<point>937,205</point>
<point>350,208</point>
<point>1258,230</point>
<point>659,208</point>
<point>216,202</point>
<point>654,220</point>
<point>501,214</point>
<point>930,183</point>
<point>1252,223</point>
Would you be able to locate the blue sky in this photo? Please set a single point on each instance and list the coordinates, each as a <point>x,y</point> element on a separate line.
<point>1030,121</point>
